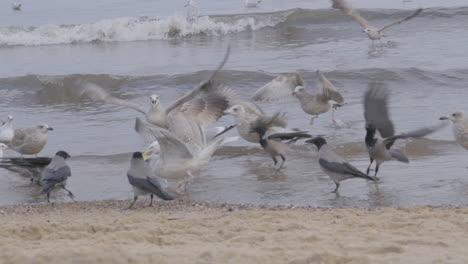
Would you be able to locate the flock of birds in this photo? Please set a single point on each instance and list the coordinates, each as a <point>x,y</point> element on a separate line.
<point>180,143</point>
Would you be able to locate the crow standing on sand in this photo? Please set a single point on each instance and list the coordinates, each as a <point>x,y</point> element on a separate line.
<point>143,183</point>
<point>56,175</point>
<point>335,166</point>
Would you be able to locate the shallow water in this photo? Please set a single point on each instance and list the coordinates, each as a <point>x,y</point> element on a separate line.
<point>127,48</point>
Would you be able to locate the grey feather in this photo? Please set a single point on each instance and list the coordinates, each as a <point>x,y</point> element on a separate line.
<point>399,155</point>
<point>51,177</point>
<point>150,185</point>
<point>376,109</point>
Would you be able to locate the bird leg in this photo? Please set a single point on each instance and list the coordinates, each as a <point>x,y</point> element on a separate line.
<point>48,198</point>
<point>368,168</point>
<point>312,119</point>
<point>69,193</point>
<point>151,201</point>
<point>284,159</point>
<point>333,116</point>
<point>337,186</point>
<point>135,198</point>
<point>376,168</point>
<point>274,160</point>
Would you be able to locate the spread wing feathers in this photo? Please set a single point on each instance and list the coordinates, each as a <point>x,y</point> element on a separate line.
<point>346,8</point>
<point>417,12</point>
<point>251,108</point>
<point>205,86</point>
<point>50,177</point>
<point>207,109</point>
<point>422,132</point>
<point>278,119</point>
<point>329,90</point>
<point>376,109</point>
<point>280,87</point>
<point>145,129</point>
<point>39,162</point>
<point>151,185</point>
<point>288,136</point>
<point>344,168</point>
<point>96,93</point>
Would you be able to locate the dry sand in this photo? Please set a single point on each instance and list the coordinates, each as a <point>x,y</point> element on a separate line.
<point>183,232</point>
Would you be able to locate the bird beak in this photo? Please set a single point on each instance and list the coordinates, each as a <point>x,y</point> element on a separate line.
<point>443,118</point>
<point>7,147</point>
<point>146,155</point>
<point>50,129</point>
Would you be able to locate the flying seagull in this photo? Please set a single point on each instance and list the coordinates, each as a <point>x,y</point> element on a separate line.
<point>279,88</point>
<point>372,32</point>
<point>334,165</point>
<point>204,105</point>
<point>276,144</point>
<point>460,127</point>
<point>16,6</point>
<point>322,102</point>
<point>144,181</point>
<point>174,158</point>
<point>380,132</point>
<point>56,174</point>
<point>30,140</point>
<point>252,3</point>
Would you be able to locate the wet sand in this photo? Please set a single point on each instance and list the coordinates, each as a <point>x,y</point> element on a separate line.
<point>187,232</point>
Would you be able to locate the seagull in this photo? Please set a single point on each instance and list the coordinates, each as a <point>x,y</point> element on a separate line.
<point>372,32</point>
<point>322,102</point>
<point>204,105</point>
<point>142,179</point>
<point>273,143</point>
<point>192,11</point>
<point>30,140</point>
<point>6,131</point>
<point>2,148</point>
<point>175,157</point>
<point>245,115</point>
<point>16,6</point>
<point>279,88</point>
<point>460,127</point>
<point>56,175</point>
<point>334,165</point>
<point>252,3</point>
<point>380,132</point>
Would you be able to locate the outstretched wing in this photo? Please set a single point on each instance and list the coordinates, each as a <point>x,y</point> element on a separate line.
<point>402,20</point>
<point>98,94</point>
<point>204,86</point>
<point>207,108</point>
<point>288,136</point>
<point>280,87</point>
<point>422,132</point>
<point>329,91</point>
<point>376,109</point>
<point>346,8</point>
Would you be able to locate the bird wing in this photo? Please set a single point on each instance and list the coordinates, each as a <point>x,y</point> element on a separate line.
<point>329,90</point>
<point>205,86</point>
<point>149,184</point>
<point>346,8</point>
<point>343,168</point>
<point>50,177</point>
<point>376,109</point>
<point>98,94</point>
<point>280,87</point>
<point>422,132</point>
<point>206,108</point>
<point>20,136</point>
<point>402,20</point>
<point>145,130</point>
<point>288,136</point>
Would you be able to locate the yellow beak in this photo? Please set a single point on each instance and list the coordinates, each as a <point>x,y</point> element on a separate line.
<point>146,155</point>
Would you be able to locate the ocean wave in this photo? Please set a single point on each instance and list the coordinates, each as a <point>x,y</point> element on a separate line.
<point>230,77</point>
<point>177,26</point>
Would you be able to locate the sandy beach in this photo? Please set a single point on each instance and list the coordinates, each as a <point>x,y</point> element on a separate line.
<point>185,232</point>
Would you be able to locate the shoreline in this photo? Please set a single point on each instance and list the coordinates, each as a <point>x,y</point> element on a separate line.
<point>194,232</point>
